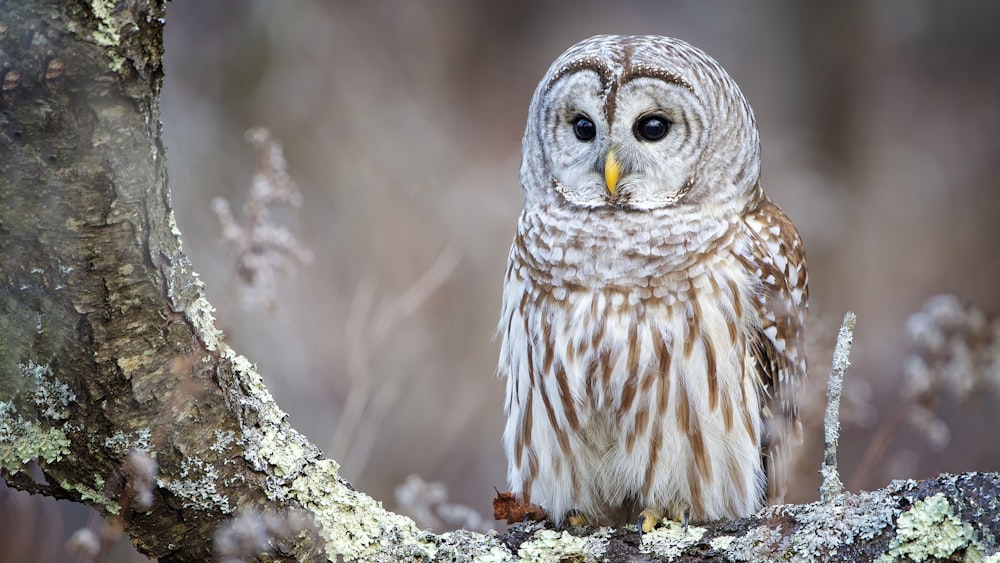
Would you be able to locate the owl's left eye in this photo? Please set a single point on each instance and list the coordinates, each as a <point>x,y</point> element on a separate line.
<point>652,128</point>
<point>584,128</point>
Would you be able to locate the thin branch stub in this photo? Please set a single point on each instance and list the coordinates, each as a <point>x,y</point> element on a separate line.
<point>832,485</point>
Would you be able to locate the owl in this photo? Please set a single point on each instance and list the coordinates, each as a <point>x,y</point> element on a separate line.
<point>654,297</point>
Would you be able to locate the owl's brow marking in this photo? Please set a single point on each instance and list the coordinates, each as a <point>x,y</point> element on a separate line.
<point>643,71</point>
<point>593,64</point>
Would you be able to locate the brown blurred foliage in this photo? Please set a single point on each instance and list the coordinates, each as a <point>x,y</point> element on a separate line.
<point>401,124</point>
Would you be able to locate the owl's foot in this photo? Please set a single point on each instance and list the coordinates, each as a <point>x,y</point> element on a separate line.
<point>647,521</point>
<point>649,518</point>
<point>576,518</point>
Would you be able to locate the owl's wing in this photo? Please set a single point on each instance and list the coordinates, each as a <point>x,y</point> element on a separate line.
<point>778,345</point>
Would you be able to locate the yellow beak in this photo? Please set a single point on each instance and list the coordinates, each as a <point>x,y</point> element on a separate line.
<point>612,169</point>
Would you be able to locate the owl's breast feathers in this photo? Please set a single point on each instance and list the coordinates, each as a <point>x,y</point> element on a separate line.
<point>642,352</point>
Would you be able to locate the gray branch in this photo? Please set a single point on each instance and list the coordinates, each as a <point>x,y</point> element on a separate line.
<point>117,391</point>
<point>832,486</point>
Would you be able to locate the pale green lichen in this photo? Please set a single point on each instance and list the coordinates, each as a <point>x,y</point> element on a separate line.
<point>25,439</point>
<point>495,554</point>
<point>174,229</point>
<point>199,313</point>
<point>463,545</point>
<point>183,283</point>
<point>550,546</point>
<point>825,529</point>
<point>354,525</point>
<point>196,484</point>
<point>930,529</point>
<point>721,543</point>
<point>92,495</point>
<point>22,441</point>
<point>107,34</point>
<point>269,444</point>
<point>670,540</point>
<point>284,456</point>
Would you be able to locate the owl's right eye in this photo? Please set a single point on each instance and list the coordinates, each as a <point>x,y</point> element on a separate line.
<point>584,128</point>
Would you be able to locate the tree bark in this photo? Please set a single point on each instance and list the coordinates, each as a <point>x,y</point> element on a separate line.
<point>108,348</point>
<point>108,342</point>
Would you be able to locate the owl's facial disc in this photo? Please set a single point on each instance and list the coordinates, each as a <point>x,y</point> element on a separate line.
<point>628,145</point>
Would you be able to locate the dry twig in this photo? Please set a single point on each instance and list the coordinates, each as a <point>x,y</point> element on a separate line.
<point>832,486</point>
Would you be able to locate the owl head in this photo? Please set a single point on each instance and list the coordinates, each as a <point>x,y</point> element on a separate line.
<point>638,123</point>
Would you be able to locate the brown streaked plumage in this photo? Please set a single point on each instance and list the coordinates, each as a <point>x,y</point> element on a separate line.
<point>652,329</point>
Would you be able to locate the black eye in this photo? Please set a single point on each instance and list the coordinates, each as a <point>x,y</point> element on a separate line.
<point>652,128</point>
<point>584,128</point>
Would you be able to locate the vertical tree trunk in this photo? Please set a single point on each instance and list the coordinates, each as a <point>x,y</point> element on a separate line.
<point>107,344</point>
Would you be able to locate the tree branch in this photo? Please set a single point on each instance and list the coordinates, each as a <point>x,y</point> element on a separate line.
<point>110,359</point>
<point>832,485</point>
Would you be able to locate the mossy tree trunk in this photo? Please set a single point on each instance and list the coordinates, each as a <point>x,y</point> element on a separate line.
<point>107,344</point>
<point>108,351</point>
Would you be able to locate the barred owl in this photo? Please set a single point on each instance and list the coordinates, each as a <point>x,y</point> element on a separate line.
<point>654,297</point>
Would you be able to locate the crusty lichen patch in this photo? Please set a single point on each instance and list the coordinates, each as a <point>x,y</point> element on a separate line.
<point>825,529</point>
<point>354,525</point>
<point>107,34</point>
<point>269,445</point>
<point>23,440</point>
<point>550,546</point>
<point>121,442</point>
<point>92,495</point>
<point>41,434</point>
<point>196,484</point>
<point>285,457</point>
<point>200,314</point>
<point>721,543</point>
<point>930,529</point>
<point>51,396</point>
<point>463,545</point>
<point>670,539</point>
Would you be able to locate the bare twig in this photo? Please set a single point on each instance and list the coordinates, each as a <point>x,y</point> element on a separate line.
<point>371,398</point>
<point>832,486</point>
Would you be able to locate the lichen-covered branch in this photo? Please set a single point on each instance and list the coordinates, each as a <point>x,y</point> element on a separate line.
<point>951,517</point>
<point>117,390</point>
<point>832,485</point>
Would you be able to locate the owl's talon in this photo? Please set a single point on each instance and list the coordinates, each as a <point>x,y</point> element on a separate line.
<point>687,516</point>
<point>576,518</point>
<point>647,521</point>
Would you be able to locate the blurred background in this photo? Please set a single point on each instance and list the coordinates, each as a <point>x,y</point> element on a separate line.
<point>401,125</point>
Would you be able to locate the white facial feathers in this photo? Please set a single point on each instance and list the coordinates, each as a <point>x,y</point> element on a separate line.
<point>678,125</point>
